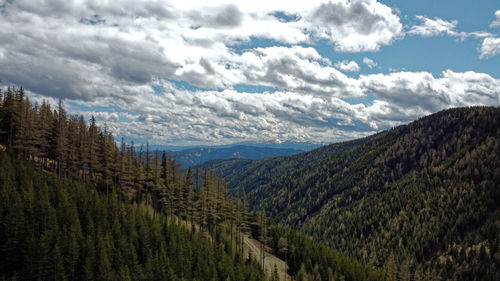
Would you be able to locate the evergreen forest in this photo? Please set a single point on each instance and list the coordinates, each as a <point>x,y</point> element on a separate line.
<point>420,201</point>
<point>75,204</point>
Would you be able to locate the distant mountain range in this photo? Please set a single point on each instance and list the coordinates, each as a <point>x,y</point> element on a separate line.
<point>200,155</point>
<point>304,146</point>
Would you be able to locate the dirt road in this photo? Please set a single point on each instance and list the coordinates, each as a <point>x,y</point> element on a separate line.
<point>270,260</point>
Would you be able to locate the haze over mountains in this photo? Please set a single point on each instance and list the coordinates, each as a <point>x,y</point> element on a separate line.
<point>194,156</point>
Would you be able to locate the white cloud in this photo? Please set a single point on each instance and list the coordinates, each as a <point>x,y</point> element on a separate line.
<point>356,26</point>
<point>216,117</point>
<point>297,68</point>
<point>496,22</point>
<point>437,27</point>
<point>211,117</point>
<point>82,50</point>
<point>112,53</point>
<point>490,47</point>
<point>430,94</point>
<point>477,34</point>
<point>369,62</point>
<point>434,27</point>
<point>349,66</point>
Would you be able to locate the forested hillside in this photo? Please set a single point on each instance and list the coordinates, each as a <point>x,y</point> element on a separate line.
<point>64,230</point>
<point>194,156</point>
<point>246,174</point>
<point>421,200</point>
<point>75,206</point>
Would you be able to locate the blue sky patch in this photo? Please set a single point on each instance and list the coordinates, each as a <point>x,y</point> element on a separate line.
<point>243,88</point>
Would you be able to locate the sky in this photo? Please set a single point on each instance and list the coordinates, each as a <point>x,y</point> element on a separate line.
<point>181,73</point>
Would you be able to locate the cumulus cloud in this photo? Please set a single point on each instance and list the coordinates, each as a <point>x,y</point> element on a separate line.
<point>82,50</point>
<point>201,117</point>
<point>349,66</point>
<point>496,22</point>
<point>438,27</point>
<point>490,47</point>
<point>215,117</point>
<point>434,27</point>
<point>428,93</point>
<point>356,26</point>
<point>298,69</point>
<point>228,16</point>
<point>369,62</point>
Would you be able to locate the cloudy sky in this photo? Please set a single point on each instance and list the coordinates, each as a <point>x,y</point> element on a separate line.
<point>216,72</point>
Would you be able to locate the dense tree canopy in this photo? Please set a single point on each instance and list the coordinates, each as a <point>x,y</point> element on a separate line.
<point>420,200</point>
<point>76,206</point>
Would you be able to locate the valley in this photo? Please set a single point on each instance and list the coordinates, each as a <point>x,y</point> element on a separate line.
<point>418,198</point>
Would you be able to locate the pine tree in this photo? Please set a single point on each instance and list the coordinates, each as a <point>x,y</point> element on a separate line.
<point>83,149</point>
<point>188,196</point>
<point>156,181</point>
<point>148,172</point>
<point>60,139</point>
<point>72,155</point>
<point>93,150</point>
<point>8,117</point>
<point>106,143</point>
<point>283,250</point>
<point>65,230</point>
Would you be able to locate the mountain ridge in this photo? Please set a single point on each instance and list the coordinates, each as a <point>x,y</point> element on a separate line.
<point>398,178</point>
<point>200,155</point>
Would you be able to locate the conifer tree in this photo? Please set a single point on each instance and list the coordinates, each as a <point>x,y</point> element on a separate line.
<point>60,138</point>
<point>156,181</point>
<point>93,150</point>
<point>188,196</point>
<point>83,149</point>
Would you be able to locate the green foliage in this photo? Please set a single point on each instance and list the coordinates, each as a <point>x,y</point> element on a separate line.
<point>419,200</point>
<point>310,260</point>
<point>53,229</point>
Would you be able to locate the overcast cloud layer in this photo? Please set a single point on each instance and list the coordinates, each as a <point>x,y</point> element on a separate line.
<point>171,72</point>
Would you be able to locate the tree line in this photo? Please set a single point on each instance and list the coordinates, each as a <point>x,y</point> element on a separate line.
<point>54,141</point>
<point>77,205</point>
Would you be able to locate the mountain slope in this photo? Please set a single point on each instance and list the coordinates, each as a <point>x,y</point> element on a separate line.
<point>193,156</point>
<point>419,199</point>
<point>56,229</point>
<point>59,229</point>
<point>250,174</point>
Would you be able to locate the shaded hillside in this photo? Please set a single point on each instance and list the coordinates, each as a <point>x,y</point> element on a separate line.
<point>64,230</point>
<point>250,174</point>
<point>191,157</point>
<point>419,199</point>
